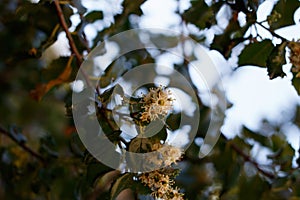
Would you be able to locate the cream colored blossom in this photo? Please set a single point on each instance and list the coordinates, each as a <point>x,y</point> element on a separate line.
<point>157,103</point>
<point>161,185</point>
<point>170,154</point>
<point>295,56</point>
<point>164,155</point>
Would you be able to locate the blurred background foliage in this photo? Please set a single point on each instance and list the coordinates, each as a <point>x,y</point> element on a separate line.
<point>41,156</point>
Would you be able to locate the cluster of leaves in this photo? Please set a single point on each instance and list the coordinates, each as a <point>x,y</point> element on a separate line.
<point>230,172</point>
<point>55,165</point>
<point>259,51</point>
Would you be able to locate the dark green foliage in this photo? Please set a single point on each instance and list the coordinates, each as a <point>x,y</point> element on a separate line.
<point>256,53</point>
<point>41,154</point>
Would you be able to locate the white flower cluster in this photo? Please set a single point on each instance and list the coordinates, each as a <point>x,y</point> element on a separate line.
<point>166,155</point>
<point>157,103</point>
<point>161,184</point>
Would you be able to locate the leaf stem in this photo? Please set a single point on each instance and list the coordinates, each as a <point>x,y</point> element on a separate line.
<point>22,145</point>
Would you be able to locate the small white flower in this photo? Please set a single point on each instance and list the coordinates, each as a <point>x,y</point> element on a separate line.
<point>157,103</point>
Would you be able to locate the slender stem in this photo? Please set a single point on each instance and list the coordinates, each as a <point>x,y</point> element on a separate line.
<point>247,158</point>
<point>22,145</point>
<point>68,34</point>
<point>271,31</point>
<point>71,41</point>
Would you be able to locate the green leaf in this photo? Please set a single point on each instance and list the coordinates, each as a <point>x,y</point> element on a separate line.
<point>200,14</point>
<point>256,53</point>
<point>48,147</point>
<point>173,121</point>
<point>121,184</point>
<point>284,153</point>
<point>93,16</point>
<point>283,14</point>
<point>112,72</point>
<point>106,95</point>
<point>296,83</point>
<point>164,41</point>
<point>263,140</point>
<point>140,145</point>
<point>127,181</point>
<point>96,170</point>
<point>252,187</point>
<point>276,60</point>
<point>108,125</point>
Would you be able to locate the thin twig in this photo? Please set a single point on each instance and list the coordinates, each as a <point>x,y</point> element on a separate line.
<point>68,34</point>
<point>271,31</point>
<point>71,41</point>
<point>22,145</point>
<point>247,158</point>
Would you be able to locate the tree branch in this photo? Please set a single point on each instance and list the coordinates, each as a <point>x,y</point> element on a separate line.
<point>247,158</point>
<point>271,31</point>
<point>68,34</point>
<point>71,41</point>
<point>22,145</point>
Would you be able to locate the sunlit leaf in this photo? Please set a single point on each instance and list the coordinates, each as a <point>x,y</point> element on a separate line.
<point>64,77</point>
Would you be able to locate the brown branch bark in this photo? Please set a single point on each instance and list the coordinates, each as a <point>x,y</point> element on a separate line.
<point>22,145</point>
<point>71,41</point>
<point>68,34</point>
